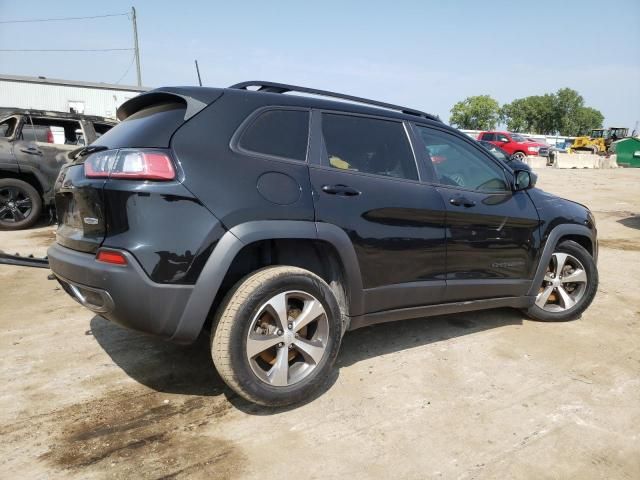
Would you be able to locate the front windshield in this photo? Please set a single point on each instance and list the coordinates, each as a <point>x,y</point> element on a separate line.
<point>518,138</point>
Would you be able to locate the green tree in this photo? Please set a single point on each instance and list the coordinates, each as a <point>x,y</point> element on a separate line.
<point>530,114</point>
<point>562,112</point>
<point>476,113</point>
<point>516,116</point>
<point>568,104</point>
<point>587,119</point>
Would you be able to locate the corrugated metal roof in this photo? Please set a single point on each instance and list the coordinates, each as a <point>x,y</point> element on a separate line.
<point>71,83</point>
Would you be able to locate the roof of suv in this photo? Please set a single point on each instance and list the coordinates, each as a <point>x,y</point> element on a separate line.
<point>275,92</point>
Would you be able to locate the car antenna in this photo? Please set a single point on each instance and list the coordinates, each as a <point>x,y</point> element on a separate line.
<point>198,72</point>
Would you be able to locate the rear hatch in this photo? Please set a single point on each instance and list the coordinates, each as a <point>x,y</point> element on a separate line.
<point>80,211</point>
<point>148,122</point>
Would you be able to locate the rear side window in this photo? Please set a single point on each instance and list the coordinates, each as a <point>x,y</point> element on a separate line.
<point>52,130</point>
<point>278,133</point>
<point>368,145</point>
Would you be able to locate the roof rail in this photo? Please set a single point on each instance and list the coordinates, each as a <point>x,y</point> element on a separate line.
<point>272,87</point>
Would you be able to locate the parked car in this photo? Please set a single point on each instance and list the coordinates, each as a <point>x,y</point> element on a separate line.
<point>551,151</point>
<point>515,144</point>
<point>33,147</point>
<point>279,222</point>
<point>502,155</point>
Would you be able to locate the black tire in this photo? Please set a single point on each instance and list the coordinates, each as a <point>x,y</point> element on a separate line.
<point>583,256</point>
<point>520,156</point>
<point>20,204</point>
<point>236,320</point>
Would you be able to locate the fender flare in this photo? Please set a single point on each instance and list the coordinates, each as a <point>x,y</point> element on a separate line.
<point>38,175</point>
<point>235,239</point>
<point>550,244</point>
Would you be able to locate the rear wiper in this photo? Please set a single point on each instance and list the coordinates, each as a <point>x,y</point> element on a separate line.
<point>87,150</point>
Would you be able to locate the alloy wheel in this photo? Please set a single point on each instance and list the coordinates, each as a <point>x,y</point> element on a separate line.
<point>15,204</point>
<point>564,284</point>
<point>288,338</point>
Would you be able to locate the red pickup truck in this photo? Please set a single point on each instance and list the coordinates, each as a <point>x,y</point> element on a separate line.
<point>515,144</point>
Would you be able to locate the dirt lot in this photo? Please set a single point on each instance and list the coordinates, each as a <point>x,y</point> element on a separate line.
<point>478,395</point>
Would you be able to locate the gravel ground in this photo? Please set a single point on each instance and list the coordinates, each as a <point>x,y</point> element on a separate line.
<point>477,395</point>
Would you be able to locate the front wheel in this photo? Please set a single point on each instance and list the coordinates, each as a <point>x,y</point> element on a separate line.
<point>569,285</point>
<point>276,336</point>
<point>519,156</point>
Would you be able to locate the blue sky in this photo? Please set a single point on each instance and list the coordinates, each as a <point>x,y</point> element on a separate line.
<point>423,54</point>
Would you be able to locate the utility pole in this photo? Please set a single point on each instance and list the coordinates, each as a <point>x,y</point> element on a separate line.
<point>135,44</point>
<point>198,71</point>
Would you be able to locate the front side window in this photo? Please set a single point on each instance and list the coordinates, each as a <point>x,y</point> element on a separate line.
<point>459,164</point>
<point>279,133</point>
<point>7,127</point>
<point>368,145</point>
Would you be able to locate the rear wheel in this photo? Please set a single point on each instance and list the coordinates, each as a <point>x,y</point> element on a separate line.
<point>20,204</point>
<point>569,285</point>
<point>277,335</point>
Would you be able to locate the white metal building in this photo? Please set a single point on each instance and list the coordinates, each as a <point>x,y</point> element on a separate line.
<point>42,93</point>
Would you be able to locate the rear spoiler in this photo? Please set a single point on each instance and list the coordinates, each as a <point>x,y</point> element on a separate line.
<point>194,98</point>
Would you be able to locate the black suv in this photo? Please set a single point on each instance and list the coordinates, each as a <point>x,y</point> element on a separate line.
<point>278,222</point>
<point>34,144</point>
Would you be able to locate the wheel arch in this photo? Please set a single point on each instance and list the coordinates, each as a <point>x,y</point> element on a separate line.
<point>574,232</point>
<point>227,262</point>
<point>30,178</point>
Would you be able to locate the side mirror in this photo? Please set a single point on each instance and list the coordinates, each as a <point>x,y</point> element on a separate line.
<point>525,179</point>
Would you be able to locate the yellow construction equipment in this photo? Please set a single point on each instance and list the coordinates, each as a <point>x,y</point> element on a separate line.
<point>599,141</point>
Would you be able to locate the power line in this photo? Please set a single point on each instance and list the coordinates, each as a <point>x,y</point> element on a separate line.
<point>61,19</point>
<point>65,49</point>
<point>133,57</point>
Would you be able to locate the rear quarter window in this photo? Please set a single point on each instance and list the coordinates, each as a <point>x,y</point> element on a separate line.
<point>102,128</point>
<point>278,133</point>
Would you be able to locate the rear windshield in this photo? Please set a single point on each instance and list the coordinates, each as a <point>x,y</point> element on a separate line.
<point>152,126</point>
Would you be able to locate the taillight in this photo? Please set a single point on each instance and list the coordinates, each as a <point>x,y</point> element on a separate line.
<point>49,136</point>
<point>131,164</point>
<point>111,256</point>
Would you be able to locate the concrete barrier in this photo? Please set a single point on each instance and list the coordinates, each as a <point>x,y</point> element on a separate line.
<point>584,160</point>
<point>536,163</point>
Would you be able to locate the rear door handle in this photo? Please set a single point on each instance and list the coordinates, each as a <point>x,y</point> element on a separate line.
<point>462,202</point>
<point>343,190</point>
<point>31,151</point>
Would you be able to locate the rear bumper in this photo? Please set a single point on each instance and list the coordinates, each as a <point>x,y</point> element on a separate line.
<point>122,294</point>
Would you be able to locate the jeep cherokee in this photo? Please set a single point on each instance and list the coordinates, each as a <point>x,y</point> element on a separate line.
<point>278,222</point>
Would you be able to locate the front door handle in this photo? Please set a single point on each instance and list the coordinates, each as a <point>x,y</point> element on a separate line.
<point>31,151</point>
<point>343,190</point>
<point>462,202</point>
